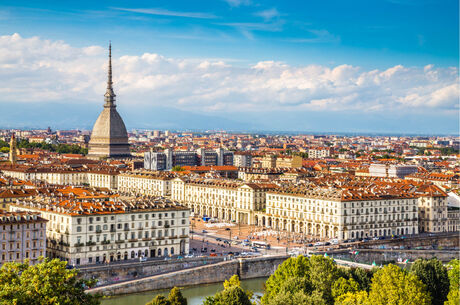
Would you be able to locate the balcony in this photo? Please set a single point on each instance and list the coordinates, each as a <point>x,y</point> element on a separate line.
<point>146,239</point>
<point>113,230</point>
<point>90,243</point>
<point>78,245</point>
<point>132,240</point>
<point>98,231</point>
<point>105,242</point>
<point>183,236</point>
<point>166,226</point>
<point>120,241</point>
<point>125,229</point>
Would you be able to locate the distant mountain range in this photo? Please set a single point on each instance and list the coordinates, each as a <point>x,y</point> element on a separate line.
<point>80,115</point>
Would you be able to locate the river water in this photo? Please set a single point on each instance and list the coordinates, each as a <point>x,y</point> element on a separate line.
<point>195,295</point>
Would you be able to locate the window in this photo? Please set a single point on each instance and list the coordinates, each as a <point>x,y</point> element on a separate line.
<point>78,229</point>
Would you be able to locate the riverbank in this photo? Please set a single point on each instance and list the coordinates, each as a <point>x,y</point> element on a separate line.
<point>195,294</point>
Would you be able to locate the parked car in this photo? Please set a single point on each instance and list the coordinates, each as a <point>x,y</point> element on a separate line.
<point>142,259</point>
<point>213,254</point>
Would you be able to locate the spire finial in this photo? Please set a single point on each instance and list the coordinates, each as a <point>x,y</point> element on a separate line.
<point>109,94</point>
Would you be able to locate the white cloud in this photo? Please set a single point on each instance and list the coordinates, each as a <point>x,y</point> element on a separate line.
<point>236,3</point>
<point>162,12</point>
<point>38,70</point>
<point>268,14</point>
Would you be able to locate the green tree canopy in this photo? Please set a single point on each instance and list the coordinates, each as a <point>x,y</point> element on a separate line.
<point>454,277</point>
<point>232,294</point>
<point>343,286</point>
<point>317,273</point>
<point>363,277</point>
<point>392,285</point>
<point>175,297</point>
<point>48,282</point>
<point>434,275</point>
<point>159,300</point>
<point>177,168</point>
<point>353,298</point>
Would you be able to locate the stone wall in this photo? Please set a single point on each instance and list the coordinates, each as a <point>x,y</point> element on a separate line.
<point>218,272</point>
<point>113,273</point>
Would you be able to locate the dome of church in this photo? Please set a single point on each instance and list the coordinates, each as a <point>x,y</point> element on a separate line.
<point>109,126</point>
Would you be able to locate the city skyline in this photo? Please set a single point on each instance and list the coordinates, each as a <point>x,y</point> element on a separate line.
<point>254,72</point>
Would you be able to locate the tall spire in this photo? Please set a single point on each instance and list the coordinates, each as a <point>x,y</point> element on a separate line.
<point>109,94</point>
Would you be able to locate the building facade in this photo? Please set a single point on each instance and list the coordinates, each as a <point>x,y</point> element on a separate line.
<point>224,199</point>
<point>340,214</point>
<point>89,232</point>
<point>22,236</point>
<point>145,183</point>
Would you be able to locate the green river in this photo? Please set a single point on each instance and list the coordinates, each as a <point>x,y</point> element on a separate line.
<point>195,295</point>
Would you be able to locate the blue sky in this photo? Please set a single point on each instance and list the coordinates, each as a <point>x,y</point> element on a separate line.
<point>293,36</point>
<point>367,33</point>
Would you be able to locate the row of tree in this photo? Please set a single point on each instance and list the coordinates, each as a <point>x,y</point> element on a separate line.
<point>316,280</point>
<point>319,281</point>
<point>59,148</point>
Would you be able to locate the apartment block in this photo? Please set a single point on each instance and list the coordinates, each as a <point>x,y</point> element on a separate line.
<point>22,236</point>
<point>100,231</point>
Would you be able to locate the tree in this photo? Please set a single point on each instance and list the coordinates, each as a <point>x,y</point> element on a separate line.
<point>323,274</point>
<point>454,277</point>
<point>48,282</point>
<point>159,300</point>
<point>363,277</point>
<point>392,285</point>
<point>298,298</point>
<point>343,286</point>
<point>232,294</point>
<point>434,275</point>
<point>353,298</point>
<point>233,281</point>
<point>291,268</point>
<point>4,149</point>
<point>176,298</point>
<point>317,273</point>
<point>177,168</point>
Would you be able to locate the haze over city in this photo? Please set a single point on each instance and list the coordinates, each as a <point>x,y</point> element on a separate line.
<point>387,66</point>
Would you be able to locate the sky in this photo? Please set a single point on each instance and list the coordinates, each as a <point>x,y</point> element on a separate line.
<point>387,66</point>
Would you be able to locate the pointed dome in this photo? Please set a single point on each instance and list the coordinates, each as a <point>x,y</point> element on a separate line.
<point>109,137</point>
